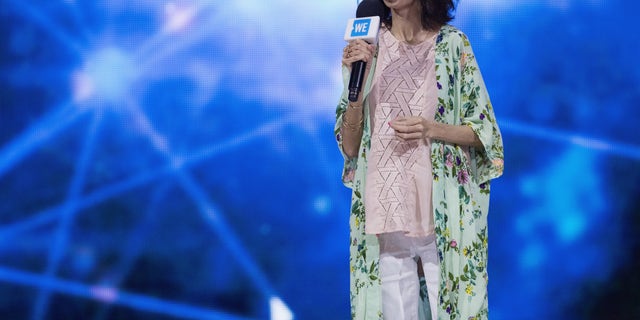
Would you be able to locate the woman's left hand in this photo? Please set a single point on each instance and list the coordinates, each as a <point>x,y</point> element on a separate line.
<point>413,128</point>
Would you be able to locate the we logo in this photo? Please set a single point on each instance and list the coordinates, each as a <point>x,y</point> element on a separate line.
<point>360,27</point>
<point>365,28</point>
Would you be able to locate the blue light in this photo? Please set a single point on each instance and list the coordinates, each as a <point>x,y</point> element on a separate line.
<point>111,71</point>
<point>322,205</point>
<point>532,256</point>
<point>571,226</point>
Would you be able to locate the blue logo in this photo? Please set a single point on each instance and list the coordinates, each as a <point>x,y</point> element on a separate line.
<point>360,27</point>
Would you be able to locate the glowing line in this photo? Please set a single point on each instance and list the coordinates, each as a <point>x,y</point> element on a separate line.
<point>80,22</point>
<point>181,43</point>
<point>39,219</point>
<point>215,219</point>
<point>135,244</point>
<point>605,146</point>
<point>122,298</point>
<point>208,210</point>
<point>36,135</point>
<point>47,25</point>
<point>147,48</point>
<point>237,141</point>
<point>67,216</point>
<point>48,215</point>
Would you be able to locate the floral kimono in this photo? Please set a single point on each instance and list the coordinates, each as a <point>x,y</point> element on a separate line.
<point>461,184</point>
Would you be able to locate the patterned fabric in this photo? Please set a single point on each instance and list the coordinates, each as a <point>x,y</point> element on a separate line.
<point>398,192</point>
<point>460,196</point>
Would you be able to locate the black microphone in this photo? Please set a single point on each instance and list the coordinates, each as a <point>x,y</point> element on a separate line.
<point>365,26</point>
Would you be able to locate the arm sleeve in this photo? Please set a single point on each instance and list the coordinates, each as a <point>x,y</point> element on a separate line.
<point>477,113</point>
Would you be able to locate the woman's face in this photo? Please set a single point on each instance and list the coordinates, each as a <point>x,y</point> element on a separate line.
<point>400,4</point>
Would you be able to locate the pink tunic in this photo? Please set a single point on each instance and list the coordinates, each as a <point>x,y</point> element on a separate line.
<point>399,178</point>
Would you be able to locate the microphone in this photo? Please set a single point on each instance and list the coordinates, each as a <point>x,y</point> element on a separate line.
<point>365,26</point>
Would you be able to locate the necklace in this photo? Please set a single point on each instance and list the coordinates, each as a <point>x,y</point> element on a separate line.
<point>417,38</point>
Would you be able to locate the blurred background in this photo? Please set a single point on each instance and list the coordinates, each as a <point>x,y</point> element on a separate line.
<point>175,159</point>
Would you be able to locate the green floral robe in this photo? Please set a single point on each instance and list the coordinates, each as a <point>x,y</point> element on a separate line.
<point>461,184</point>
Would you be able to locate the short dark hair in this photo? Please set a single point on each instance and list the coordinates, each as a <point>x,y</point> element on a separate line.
<point>435,13</point>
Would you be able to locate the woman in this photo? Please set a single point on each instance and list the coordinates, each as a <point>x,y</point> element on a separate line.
<point>421,145</point>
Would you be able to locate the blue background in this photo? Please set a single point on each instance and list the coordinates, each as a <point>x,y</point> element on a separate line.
<point>175,159</point>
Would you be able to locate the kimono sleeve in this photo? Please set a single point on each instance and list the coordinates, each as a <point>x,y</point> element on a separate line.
<point>477,113</point>
<point>349,168</point>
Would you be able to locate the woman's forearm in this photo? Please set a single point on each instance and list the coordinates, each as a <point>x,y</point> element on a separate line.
<point>457,134</point>
<point>351,130</point>
<point>353,117</point>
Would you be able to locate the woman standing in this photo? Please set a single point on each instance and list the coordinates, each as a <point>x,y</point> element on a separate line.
<point>420,146</point>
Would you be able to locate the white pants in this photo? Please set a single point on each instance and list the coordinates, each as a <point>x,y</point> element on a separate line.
<point>399,274</point>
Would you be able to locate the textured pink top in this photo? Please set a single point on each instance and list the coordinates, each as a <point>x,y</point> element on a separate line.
<point>399,178</point>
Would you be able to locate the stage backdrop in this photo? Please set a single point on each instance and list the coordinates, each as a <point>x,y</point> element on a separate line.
<point>176,160</point>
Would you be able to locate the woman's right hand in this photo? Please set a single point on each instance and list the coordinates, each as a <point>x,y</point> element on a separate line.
<point>357,50</point>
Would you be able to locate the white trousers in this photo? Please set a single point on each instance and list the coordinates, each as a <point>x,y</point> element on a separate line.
<point>399,274</point>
